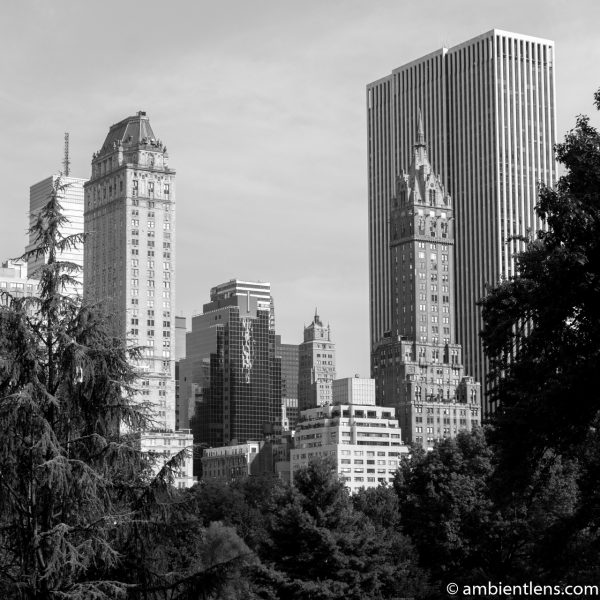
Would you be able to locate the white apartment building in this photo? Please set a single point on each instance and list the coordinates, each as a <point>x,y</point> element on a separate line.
<point>363,441</point>
<point>163,445</point>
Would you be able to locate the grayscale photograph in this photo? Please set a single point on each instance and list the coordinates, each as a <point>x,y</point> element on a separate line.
<point>299,300</point>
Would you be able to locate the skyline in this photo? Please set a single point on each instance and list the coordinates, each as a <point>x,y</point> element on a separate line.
<point>264,118</point>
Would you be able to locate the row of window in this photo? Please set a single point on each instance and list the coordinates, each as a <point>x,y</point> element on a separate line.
<point>166,255</point>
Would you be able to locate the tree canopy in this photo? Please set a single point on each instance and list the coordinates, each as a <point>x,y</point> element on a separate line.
<point>542,326</point>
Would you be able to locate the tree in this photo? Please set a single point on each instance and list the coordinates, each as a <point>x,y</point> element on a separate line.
<point>82,515</point>
<point>322,548</point>
<point>454,509</point>
<point>65,387</point>
<point>445,504</point>
<point>542,326</point>
<point>542,335</point>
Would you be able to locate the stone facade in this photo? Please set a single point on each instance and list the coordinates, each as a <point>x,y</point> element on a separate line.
<point>418,366</point>
<point>317,366</point>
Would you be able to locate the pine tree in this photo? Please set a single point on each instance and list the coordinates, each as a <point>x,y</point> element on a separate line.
<point>66,470</point>
<point>83,516</point>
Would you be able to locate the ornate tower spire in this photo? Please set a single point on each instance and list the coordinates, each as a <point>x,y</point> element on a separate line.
<point>420,131</point>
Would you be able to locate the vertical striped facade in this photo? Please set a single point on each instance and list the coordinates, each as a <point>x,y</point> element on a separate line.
<point>488,109</point>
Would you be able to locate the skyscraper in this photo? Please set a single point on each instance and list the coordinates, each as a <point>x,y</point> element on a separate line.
<point>488,107</point>
<point>317,365</point>
<point>289,354</point>
<point>130,252</point>
<point>71,200</point>
<point>418,365</point>
<point>231,376</point>
<point>261,290</point>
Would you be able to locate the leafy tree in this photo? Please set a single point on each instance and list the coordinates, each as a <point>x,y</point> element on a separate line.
<point>243,504</point>
<point>445,503</point>
<point>542,334</point>
<point>464,527</point>
<point>321,547</point>
<point>542,326</point>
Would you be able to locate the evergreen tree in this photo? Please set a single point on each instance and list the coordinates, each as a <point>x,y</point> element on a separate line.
<point>66,387</point>
<point>82,516</point>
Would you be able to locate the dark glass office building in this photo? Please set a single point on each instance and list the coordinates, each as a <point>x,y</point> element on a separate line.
<point>289,354</point>
<point>230,379</point>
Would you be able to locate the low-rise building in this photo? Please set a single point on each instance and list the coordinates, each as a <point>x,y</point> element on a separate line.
<point>14,281</point>
<point>363,441</point>
<point>233,462</point>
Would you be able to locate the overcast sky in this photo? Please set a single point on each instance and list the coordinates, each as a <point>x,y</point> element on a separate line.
<point>261,104</point>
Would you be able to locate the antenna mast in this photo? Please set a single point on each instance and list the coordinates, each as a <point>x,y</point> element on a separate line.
<point>66,161</point>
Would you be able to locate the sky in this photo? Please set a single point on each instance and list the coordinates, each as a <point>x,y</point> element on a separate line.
<point>261,104</point>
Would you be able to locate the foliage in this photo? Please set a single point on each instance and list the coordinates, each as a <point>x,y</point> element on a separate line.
<point>542,326</point>
<point>322,547</point>
<point>65,387</point>
<point>453,507</point>
<point>445,502</point>
<point>82,515</point>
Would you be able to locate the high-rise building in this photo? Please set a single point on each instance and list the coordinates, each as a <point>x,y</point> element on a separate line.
<point>418,365</point>
<point>70,195</point>
<point>129,260</point>
<point>261,290</point>
<point>488,107</point>
<point>317,365</point>
<point>130,251</point>
<point>231,376</point>
<point>289,354</point>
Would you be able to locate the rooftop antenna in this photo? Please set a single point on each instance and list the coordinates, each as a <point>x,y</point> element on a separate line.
<point>66,161</point>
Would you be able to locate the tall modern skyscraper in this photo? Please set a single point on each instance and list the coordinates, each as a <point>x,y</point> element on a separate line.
<point>231,376</point>
<point>71,200</point>
<point>316,370</point>
<point>418,365</point>
<point>488,107</point>
<point>129,260</point>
